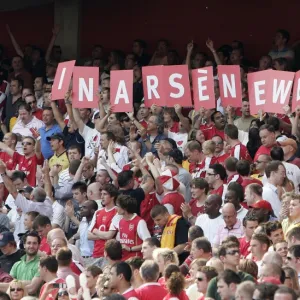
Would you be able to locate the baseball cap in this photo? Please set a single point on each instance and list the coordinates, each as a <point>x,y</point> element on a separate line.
<point>262,204</point>
<point>56,136</point>
<point>169,180</point>
<point>6,237</point>
<point>289,142</point>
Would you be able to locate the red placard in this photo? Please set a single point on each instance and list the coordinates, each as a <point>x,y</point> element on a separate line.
<point>282,83</point>
<point>259,90</point>
<point>153,79</point>
<point>121,91</point>
<point>85,87</point>
<point>296,91</point>
<point>177,86</point>
<point>203,88</point>
<point>230,85</point>
<point>62,79</point>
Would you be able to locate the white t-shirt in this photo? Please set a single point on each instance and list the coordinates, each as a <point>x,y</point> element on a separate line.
<point>59,216</point>
<point>92,140</point>
<point>270,194</point>
<point>181,139</point>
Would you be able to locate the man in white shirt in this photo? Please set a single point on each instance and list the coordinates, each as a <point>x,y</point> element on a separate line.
<point>275,172</point>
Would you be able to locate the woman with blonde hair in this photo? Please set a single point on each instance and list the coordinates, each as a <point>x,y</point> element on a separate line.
<point>16,290</point>
<point>291,278</point>
<point>293,219</point>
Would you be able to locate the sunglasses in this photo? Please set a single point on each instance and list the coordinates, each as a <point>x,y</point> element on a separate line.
<point>63,293</point>
<point>17,289</point>
<point>233,252</point>
<point>26,143</point>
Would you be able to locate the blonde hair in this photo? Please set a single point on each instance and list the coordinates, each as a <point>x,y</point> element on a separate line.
<point>209,146</point>
<point>20,284</point>
<point>167,255</point>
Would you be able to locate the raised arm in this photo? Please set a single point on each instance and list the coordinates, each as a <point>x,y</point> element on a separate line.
<point>47,181</point>
<point>210,46</point>
<point>80,124</point>
<point>14,42</point>
<point>184,121</point>
<point>148,183</point>
<point>58,116</point>
<point>137,124</point>
<point>55,32</point>
<point>188,61</point>
<point>7,181</point>
<point>6,149</point>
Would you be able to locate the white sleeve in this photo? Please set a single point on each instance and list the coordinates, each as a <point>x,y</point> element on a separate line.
<point>86,132</point>
<point>170,208</point>
<point>23,203</point>
<point>93,222</point>
<point>115,222</point>
<point>59,216</point>
<point>142,230</point>
<point>159,197</point>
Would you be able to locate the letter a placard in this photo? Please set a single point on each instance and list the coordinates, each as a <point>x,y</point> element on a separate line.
<point>85,87</point>
<point>62,79</point>
<point>121,95</point>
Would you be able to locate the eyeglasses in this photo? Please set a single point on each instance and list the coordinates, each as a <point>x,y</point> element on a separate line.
<point>200,279</point>
<point>26,143</point>
<point>233,252</point>
<point>210,174</point>
<point>17,289</point>
<point>63,293</point>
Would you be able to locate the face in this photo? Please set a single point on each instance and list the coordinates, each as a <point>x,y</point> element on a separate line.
<point>85,210</point>
<point>104,141</point>
<point>55,144</point>
<point>250,227</point>
<point>144,111</point>
<point>28,146</point>
<point>43,230</point>
<point>232,257</point>
<point>102,177</point>
<point>201,281</point>
<point>161,263</point>
<point>78,196</point>
<point>147,250</point>
<point>230,197</point>
<point>210,206</point>
<point>245,108</point>
<point>31,246</point>
<point>56,245</point>
<point>14,87</point>
<point>152,124</point>
<point>261,163</point>
<point>195,252</point>
<point>24,116</point>
<point>282,249</point>
<point>28,222</point>
<point>193,271</point>
<point>220,121</point>
<point>223,290</point>
<point>279,175</point>
<point>17,64</point>
<point>48,117</point>
<point>161,220</point>
<point>277,236</point>
<point>97,52</point>
<point>199,60</point>
<point>84,113</point>
<point>235,57</point>
<point>32,102</point>
<point>87,172</point>
<point>112,119</point>
<point>105,83</point>
<point>26,92</point>
<point>219,144</point>
<point>50,71</point>
<point>7,140</point>
<point>249,196</point>
<point>167,117</point>
<point>229,217</point>
<point>294,208</point>
<point>264,63</point>
<point>105,95</point>
<point>192,156</point>
<point>196,192</point>
<point>278,40</point>
<point>106,199</point>
<point>267,138</point>
<point>129,62</point>
<point>91,281</point>
<point>16,291</point>
<point>137,73</point>
<point>257,249</point>
<point>73,154</point>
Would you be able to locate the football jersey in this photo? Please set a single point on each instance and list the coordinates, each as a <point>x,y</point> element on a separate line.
<point>151,291</point>
<point>130,294</point>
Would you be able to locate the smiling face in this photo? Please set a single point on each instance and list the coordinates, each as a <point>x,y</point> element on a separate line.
<point>16,291</point>
<point>31,245</point>
<point>56,245</point>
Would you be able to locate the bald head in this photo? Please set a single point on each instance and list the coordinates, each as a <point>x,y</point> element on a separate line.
<point>272,258</point>
<point>94,191</point>
<point>229,215</point>
<point>217,199</point>
<point>56,233</point>
<point>271,270</point>
<point>228,208</point>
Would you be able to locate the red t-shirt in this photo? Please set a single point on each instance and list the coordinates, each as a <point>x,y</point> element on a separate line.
<point>151,291</point>
<point>144,124</point>
<point>130,294</point>
<point>210,131</point>
<point>218,191</point>
<point>240,151</point>
<point>102,221</point>
<point>146,205</point>
<point>75,269</point>
<point>28,165</point>
<point>38,114</point>
<point>244,246</point>
<point>53,293</point>
<point>234,178</point>
<point>222,158</point>
<point>199,170</point>
<point>262,150</point>
<point>44,246</point>
<point>175,199</point>
<point>248,181</point>
<point>181,296</point>
<point>8,160</point>
<point>195,209</point>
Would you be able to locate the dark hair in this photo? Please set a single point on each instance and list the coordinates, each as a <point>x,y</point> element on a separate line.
<point>277,153</point>
<point>135,262</point>
<point>203,243</point>
<point>32,214</point>
<point>195,231</point>
<point>272,226</point>
<point>243,167</point>
<point>209,272</point>
<point>124,178</point>
<point>225,246</point>
<point>256,189</point>
<point>266,290</point>
<point>283,62</point>
<point>285,34</point>
<point>232,131</point>
<point>41,221</point>
<point>237,189</point>
<point>212,117</point>
<point>18,175</point>
<point>229,276</point>
<point>262,238</point>
<point>74,165</point>
<point>177,155</point>
<point>110,136</point>
<point>158,210</point>
<point>124,269</point>
<point>32,234</point>
<point>113,249</point>
<point>273,121</point>
<point>194,145</point>
<point>73,147</point>
<point>64,257</point>
<point>4,296</point>
<point>19,80</point>
<point>219,170</point>
<point>272,166</point>
<point>230,163</point>
<point>24,105</point>
<point>200,183</point>
<point>268,127</point>
<point>294,232</point>
<point>128,203</point>
<point>142,43</point>
<point>249,218</point>
<point>111,190</point>
<point>95,271</point>
<point>153,241</point>
<point>295,250</point>
<point>254,141</point>
<point>81,186</point>
<point>50,263</point>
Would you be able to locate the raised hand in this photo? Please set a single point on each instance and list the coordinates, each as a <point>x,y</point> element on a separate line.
<point>210,45</point>
<point>2,167</point>
<point>190,47</point>
<point>46,168</point>
<point>178,108</point>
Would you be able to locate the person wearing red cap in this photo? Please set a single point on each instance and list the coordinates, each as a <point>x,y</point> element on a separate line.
<point>253,193</point>
<point>263,211</point>
<point>290,147</point>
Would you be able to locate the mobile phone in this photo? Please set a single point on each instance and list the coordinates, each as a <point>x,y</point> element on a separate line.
<point>7,206</point>
<point>59,285</point>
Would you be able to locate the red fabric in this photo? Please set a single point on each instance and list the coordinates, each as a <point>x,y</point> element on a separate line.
<point>262,150</point>
<point>151,291</point>
<point>162,282</point>
<point>53,293</point>
<point>75,269</point>
<point>44,246</point>
<point>234,178</point>
<point>146,205</point>
<point>210,131</point>
<point>198,170</point>
<point>175,199</point>
<point>175,127</point>
<point>222,158</point>
<point>144,124</point>
<point>218,191</point>
<point>129,236</point>
<point>248,181</point>
<point>295,161</point>
<point>8,160</point>
<point>244,246</point>
<point>38,114</point>
<point>28,166</point>
<point>181,296</point>
<point>130,295</point>
<point>103,220</point>
<point>196,210</point>
<point>243,153</point>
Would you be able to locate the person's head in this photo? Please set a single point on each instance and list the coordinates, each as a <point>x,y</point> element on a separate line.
<point>262,161</point>
<point>199,187</point>
<point>74,153</point>
<point>17,63</point>
<point>231,132</point>
<point>253,192</point>
<point>56,142</point>
<point>294,207</point>
<point>267,135</point>
<point>57,244</point>
<point>64,257</point>
<point>38,195</point>
<point>88,208</point>
<point>229,254</point>
<point>195,231</point>
<point>248,266</point>
<point>92,274</point>
<point>94,191</point>
<point>281,247</point>
<point>31,101</point>
<point>275,172</point>
<point>265,63</point>
<point>16,86</point>
<point>126,180</point>
<point>245,290</point>
<point>25,113</point>
<point>113,250</point>
<point>55,234</point>
<point>28,144</point>
<point>289,147</point>
<point>204,275</point>
<point>38,84</point>
<point>274,231</point>
<point>285,293</point>
<point>19,179</point>
<point>164,257</point>
<point>7,243</point>
<point>271,258</point>
<point>193,151</point>
<point>149,271</point>
<point>155,124</point>
<point>250,223</point>
<point>51,68</point>
<point>103,177</point>
<point>160,215</point>
<point>135,265</point>
<point>291,278</point>
<point>293,236</point>
<point>120,274</point>
<point>109,194</point>
<point>277,153</point>
<point>126,205</point>
<point>28,219</point>
<point>264,291</point>
<point>229,215</point>
<point>218,119</point>
<point>227,283</point>
<point>201,248</point>
<point>219,144</point>
<point>88,170</point>
<point>149,245</point>
<point>10,139</point>
<point>259,245</point>
<point>209,147</point>
<point>200,137</point>
<point>48,116</point>
<point>293,257</point>
<point>234,194</point>
<point>243,168</point>
<point>48,266</point>
<point>79,191</point>
<point>215,174</point>
<point>282,37</point>
<point>42,225</point>
<point>16,290</point>
<point>175,281</point>
<point>32,243</point>
<point>213,204</point>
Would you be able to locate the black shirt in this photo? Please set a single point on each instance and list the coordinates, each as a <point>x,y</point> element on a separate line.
<point>7,261</point>
<point>138,194</point>
<point>11,109</point>
<point>73,139</point>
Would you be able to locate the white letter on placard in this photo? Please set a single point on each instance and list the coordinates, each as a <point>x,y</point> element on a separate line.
<point>202,87</point>
<point>84,89</point>
<point>152,84</point>
<point>229,86</point>
<point>176,85</point>
<point>258,92</point>
<point>281,91</point>
<point>62,76</point>
<point>298,90</point>
<point>122,93</point>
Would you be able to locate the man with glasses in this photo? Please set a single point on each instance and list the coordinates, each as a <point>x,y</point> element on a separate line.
<point>229,254</point>
<point>215,177</point>
<point>260,166</point>
<point>36,112</point>
<point>293,259</point>
<point>219,151</point>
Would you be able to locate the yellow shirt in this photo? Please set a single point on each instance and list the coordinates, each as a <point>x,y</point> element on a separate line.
<point>186,165</point>
<point>61,160</point>
<point>288,225</point>
<point>12,123</point>
<point>257,176</point>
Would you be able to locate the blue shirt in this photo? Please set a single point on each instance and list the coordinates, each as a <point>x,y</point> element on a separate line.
<point>153,150</point>
<point>45,145</point>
